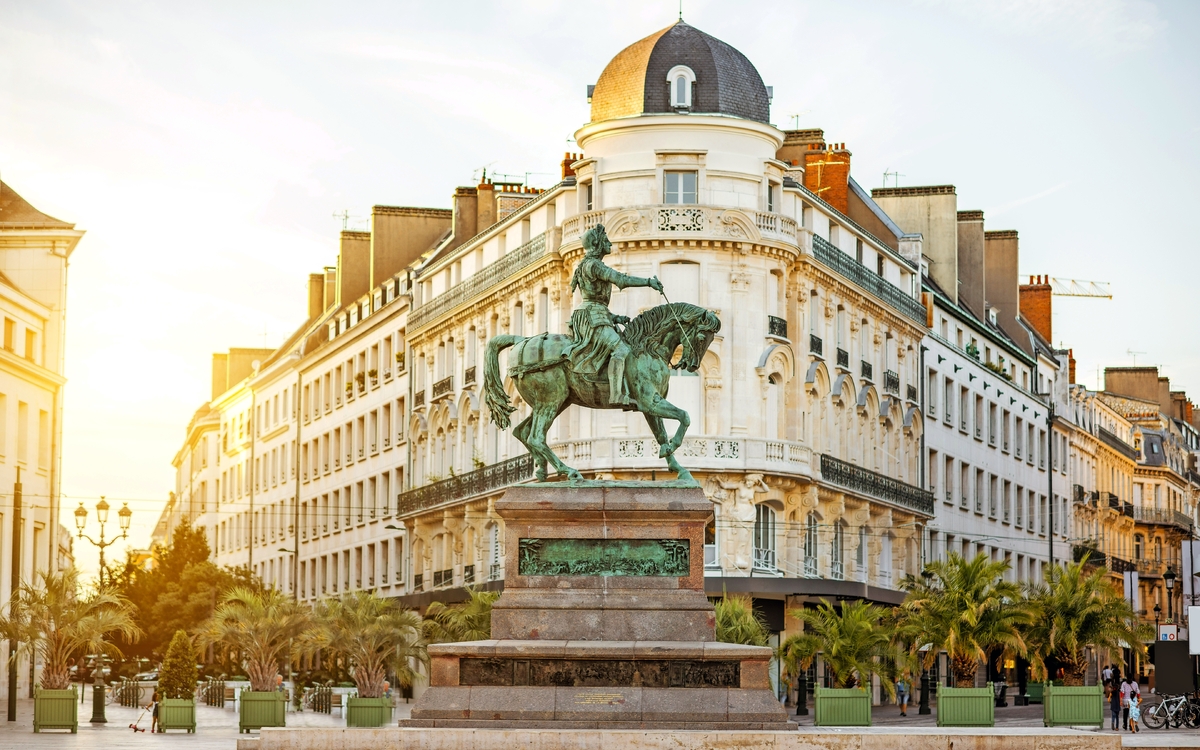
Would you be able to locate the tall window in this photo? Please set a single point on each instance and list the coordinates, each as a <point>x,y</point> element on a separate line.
<point>810,545</point>
<point>679,187</point>
<point>860,556</point>
<point>836,549</point>
<point>764,537</point>
<point>680,79</point>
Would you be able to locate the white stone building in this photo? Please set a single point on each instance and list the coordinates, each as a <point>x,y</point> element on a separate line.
<point>34,251</point>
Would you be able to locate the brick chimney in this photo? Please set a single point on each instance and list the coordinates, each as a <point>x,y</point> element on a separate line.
<point>1036,305</point>
<point>569,159</point>
<point>466,214</point>
<point>1071,366</point>
<point>316,295</point>
<point>485,207</point>
<point>796,144</point>
<point>827,173</point>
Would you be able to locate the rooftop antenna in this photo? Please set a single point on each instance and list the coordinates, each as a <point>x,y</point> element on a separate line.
<point>894,175</point>
<point>1133,354</point>
<point>482,169</point>
<point>680,10</point>
<point>344,216</point>
<point>796,118</point>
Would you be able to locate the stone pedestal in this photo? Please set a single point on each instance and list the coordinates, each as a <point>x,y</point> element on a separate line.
<point>603,622</point>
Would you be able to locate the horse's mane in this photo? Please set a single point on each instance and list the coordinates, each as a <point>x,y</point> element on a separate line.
<point>654,323</point>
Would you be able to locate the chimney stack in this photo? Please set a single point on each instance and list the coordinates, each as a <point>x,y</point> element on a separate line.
<point>971,277</point>
<point>485,196</point>
<point>1002,283</point>
<point>354,266</point>
<point>466,214</point>
<point>569,159</point>
<point>316,295</point>
<point>1036,305</point>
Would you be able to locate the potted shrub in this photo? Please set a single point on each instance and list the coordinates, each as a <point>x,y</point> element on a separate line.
<point>855,645</point>
<point>177,686</point>
<point>54,622</point>
<point>376,637</point>
<point>263,626</point>
<point>1074,610</point>
<point>967,609</point>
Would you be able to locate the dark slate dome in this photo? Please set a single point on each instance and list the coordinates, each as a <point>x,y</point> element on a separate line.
<point>635,82</point>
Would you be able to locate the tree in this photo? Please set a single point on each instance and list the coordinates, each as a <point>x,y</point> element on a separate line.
<point>966,609</point>
<point>737,622</point>
<point>853,640</point>
<point>374,636</point>
<point>59,624</point>
<point>1075,609</point>
<point>263,626</point>
<point>466,621</point>
<point>177,679</point>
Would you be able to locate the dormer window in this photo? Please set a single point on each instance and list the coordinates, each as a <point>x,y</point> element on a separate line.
<point>680,80</point>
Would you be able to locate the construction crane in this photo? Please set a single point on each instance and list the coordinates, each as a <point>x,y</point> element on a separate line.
<point>1079,288</point>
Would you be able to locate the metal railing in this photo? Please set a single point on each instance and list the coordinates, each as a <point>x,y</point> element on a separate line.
<point>468,575</point>
<point>322,699</point>
<point>443,577</point>
<point>419,582</point>
<point>776,327</point>
<point>866,370</point>
<point>472,483</point>
<point>494,572</point>
<point>814,343</point>
<point>867,482</point>
<point>479,283</point>
<point>1117,565</point>
<point>212,692</point>
<point>867,279</point>
<point>843,358</point>
<point>891,382</point>
<point>418,399</point>
<point>443,386</point>
<point>1162,516</point>
<point>764,559</point>
<point>1094,556</point>
<point>911,393</point>
<point>469,376</point>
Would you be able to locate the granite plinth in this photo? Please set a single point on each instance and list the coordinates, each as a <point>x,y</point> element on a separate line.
<point>623,638</point>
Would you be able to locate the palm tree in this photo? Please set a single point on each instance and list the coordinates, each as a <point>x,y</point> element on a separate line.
<point>58,624</point>
<point>966,609</point>
<point>737,622</point>
<point>263,626</point>
<point>1075,609</point>
<point>466,621</point>
<point>854,640</point>
<point>374,635</point>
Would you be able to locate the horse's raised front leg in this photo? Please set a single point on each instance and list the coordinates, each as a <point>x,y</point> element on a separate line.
<point>662,409</point>
<point>665,450</point>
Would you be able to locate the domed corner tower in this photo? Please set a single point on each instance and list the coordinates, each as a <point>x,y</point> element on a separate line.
<point>677,70</point>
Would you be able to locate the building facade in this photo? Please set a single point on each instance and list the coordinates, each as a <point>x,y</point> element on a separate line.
<point>34,253</point>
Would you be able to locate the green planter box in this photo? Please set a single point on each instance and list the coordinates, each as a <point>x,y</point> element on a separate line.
<point>966,707</point>
<point>1035,691</point>
<point>177,713</point>
<point>1073,706</point>
<point>55,709</point>
<point>842,707</point>
<point>368,712</point>
<point>257,710</point>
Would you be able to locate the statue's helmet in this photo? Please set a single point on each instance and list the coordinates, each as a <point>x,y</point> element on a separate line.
<point>595,241</point>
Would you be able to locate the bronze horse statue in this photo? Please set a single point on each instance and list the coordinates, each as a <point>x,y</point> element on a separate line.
<point>544,376</point>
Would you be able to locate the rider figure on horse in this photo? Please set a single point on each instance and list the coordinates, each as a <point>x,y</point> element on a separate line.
<point>593,324</point>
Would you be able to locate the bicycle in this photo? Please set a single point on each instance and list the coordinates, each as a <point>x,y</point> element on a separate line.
<point>1174,710</point>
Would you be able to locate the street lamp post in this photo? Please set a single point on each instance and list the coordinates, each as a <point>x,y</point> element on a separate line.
<point>123,516</point>
<point>1169,580</point>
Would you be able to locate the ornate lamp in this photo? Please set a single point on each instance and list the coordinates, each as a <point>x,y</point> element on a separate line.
<point>80,518</point>
<point>1169,580</point>
<point>102,511</point>
<point>123,516</point>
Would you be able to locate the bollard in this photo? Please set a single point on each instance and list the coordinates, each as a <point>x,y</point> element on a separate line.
<point>802,695</point>
<point>98,702</point>
<point>924,707</point>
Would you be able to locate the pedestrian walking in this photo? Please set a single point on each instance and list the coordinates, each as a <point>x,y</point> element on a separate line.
<point>1135,712</point>
<point>1107,674</point>
<point>153,708</point>
<point>1127,690</point>
<point>1114,703</point>
<point>902,692</point>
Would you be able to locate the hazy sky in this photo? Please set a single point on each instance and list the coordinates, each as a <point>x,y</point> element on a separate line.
<point>205,148</point>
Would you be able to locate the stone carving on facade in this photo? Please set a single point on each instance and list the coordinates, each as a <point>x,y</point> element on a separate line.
<point>737,513</point>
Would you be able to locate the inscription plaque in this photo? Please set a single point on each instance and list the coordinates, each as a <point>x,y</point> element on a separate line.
<point>604,557</point>
<point>652,673</point>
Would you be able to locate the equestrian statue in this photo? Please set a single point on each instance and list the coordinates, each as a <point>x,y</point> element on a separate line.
<point>609,361</point>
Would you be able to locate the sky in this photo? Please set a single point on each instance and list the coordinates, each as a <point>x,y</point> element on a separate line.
<point>206,148</point>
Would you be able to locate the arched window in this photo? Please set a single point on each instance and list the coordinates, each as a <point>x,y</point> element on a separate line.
<point>810,545</point>
<point>680,79</point>
<point>836,550</point>
<point>764,537</point>
<point>860,555</point>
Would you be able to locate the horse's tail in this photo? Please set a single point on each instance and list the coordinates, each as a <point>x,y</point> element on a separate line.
<point>493,385</point>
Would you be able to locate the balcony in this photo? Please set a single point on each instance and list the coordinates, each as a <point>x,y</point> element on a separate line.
<point>1117,565</point>
<point>867,482</point>
<point>469,376</point>
<point>810,567</point>
<point>1094,556</point>
<point>837,570</point>
<point>891,383</point>
<point>472,483</point>
<point>843,359</point>
<point>814,344</point>
<point>443,387</point>
<point>1077,493</point>
<point>866,279</point>
<point>419,582</point>
<point>494,572</point>
<point>477,284</point>
<point>911,394</point>
<point>764,559</point>
<point>419,399</point>
<point>650,221</point>
<point>866,370</point>
<point>1152,568</point>
<point>776,327</point>
<point>468,575</point>
<point>1162,517</point>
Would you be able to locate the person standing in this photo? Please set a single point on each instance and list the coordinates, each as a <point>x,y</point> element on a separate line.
<point>1114,703</point>
<point>902,694</point>
<point>1135,711</point>
<point>1127,690</point>
<point>1107,674</point>
<point>153,707</point>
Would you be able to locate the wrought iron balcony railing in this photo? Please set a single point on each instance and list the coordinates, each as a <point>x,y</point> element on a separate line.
<point>776,327</point>
<point>443,387</point>
<point>867,482</point>
<point>764,559</point>
<point>814,343</point>
<point>466,485</point>
<point>443,577</point>
<point>911,393</point>
<point>867,279</point>
<point>469,376</point>
<point>891,382</point>
<point>843,358</point>
<point>419,582</point>
<point>866,370</point>
<point>1162,516</point>
<point>468,575</point>
<point>1093,555</point>
<point>418,399</point>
